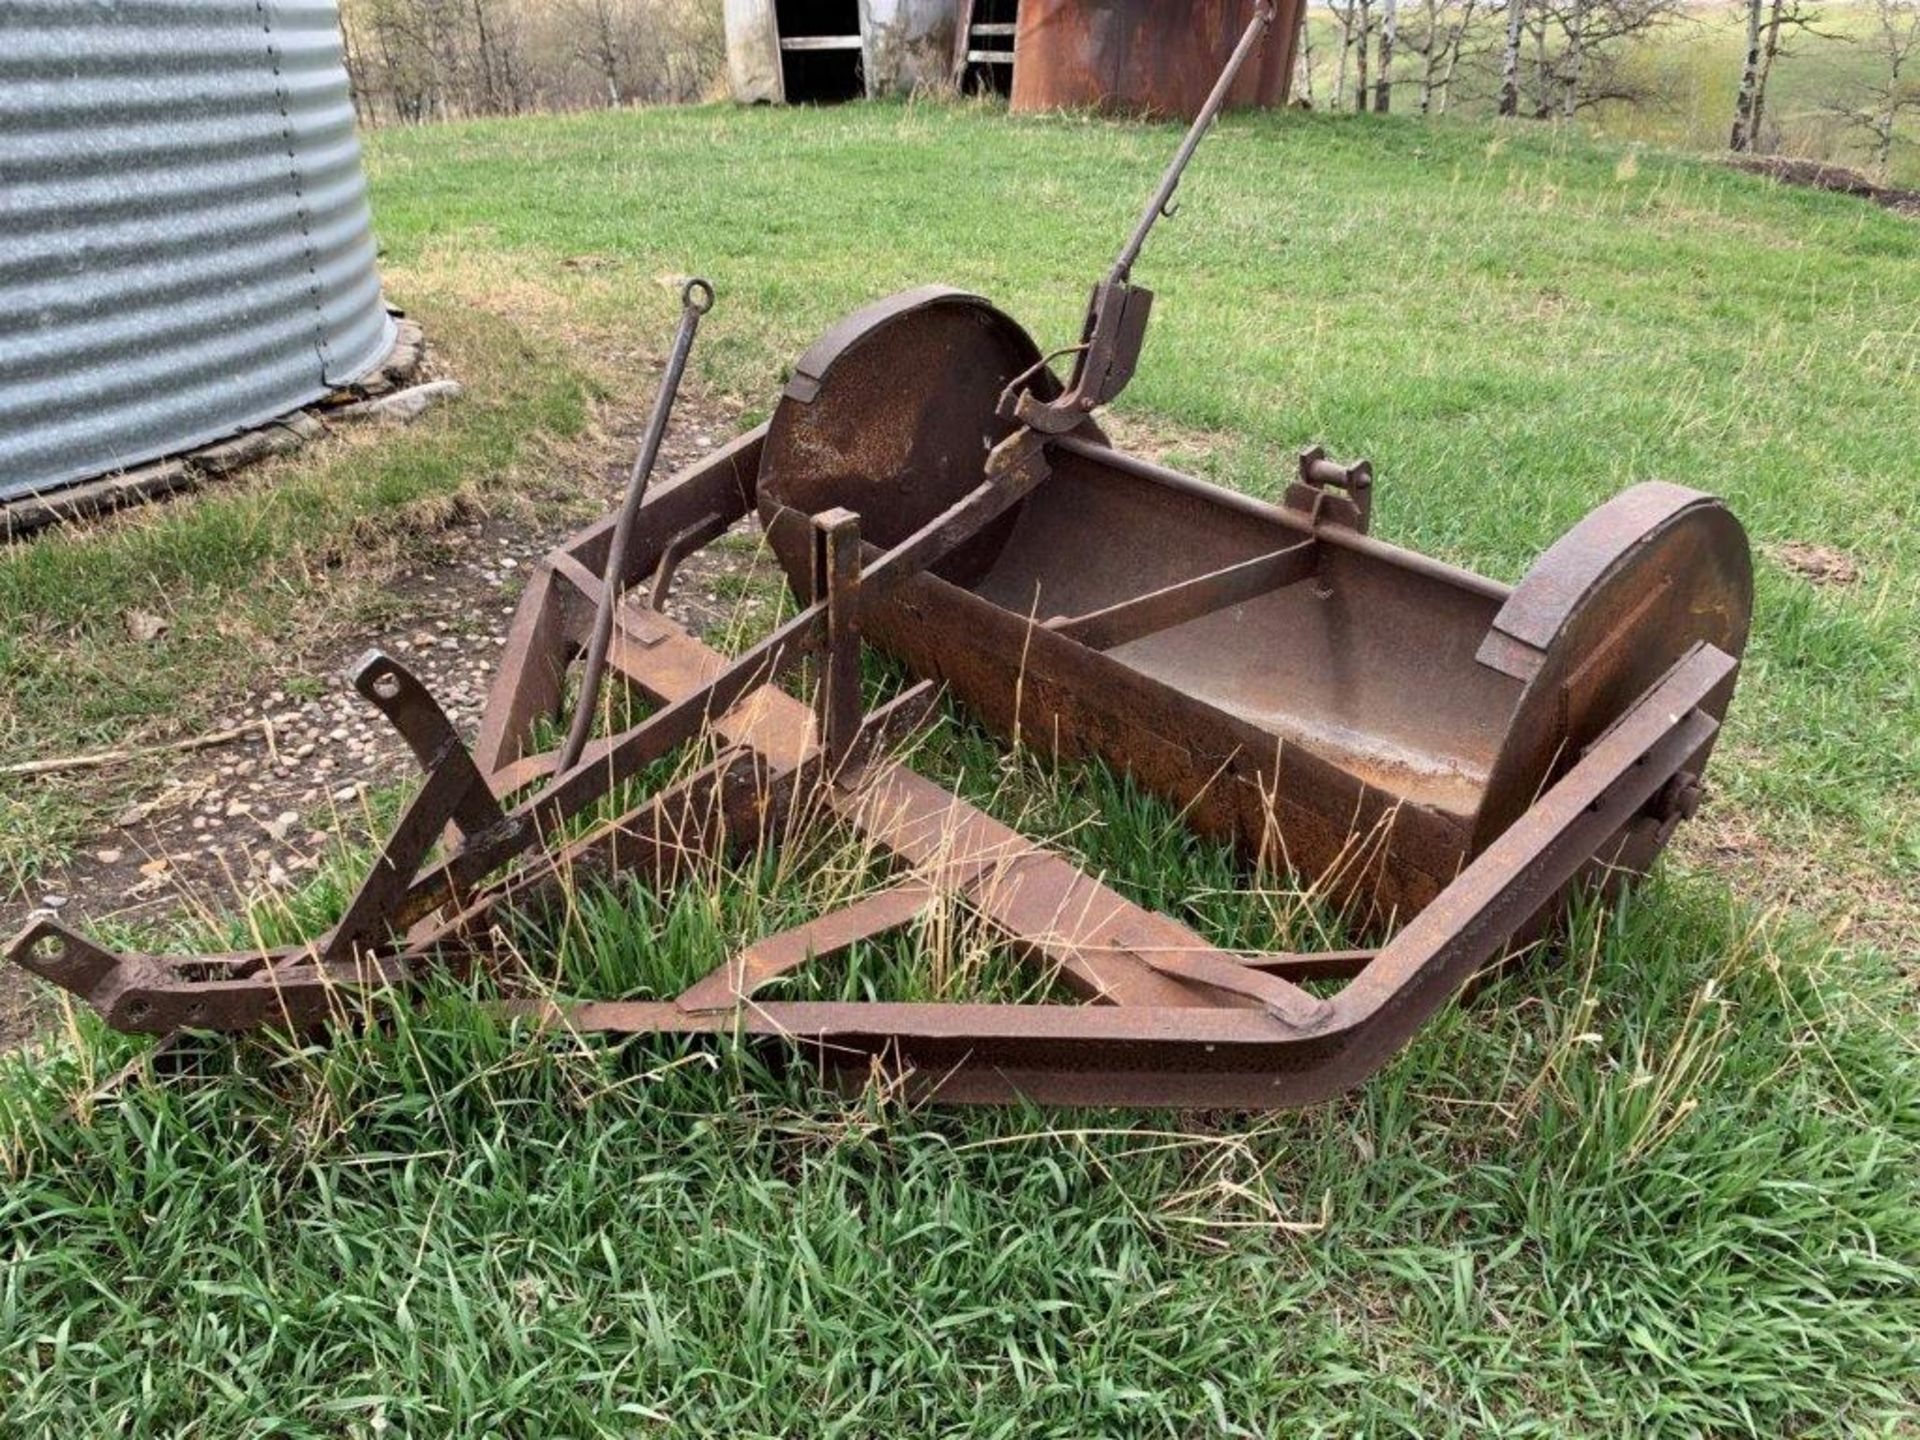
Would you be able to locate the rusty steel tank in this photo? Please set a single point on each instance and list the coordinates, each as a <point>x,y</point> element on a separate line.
<point>1144,57</point>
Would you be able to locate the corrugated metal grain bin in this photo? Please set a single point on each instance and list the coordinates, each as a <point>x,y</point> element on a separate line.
<point>1145,56</point>
<point>813,51</point>
<point>184,239</point>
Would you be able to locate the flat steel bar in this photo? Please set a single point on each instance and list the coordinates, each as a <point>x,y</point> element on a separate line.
<point>1338,536</point>
<point>819,939</point>
<point>690,822</point>
<point>412,711</point>
<point>546,632</point>
<point>836,578</point>
<point>1187,600</point>
<point>1312,964</point>
<point>1279,997</point>
<point>1070,923</point>
<point>702,532</point>
<point>740,796</point>
<point>147,994</point>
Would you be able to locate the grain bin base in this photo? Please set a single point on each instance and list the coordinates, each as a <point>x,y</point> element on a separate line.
<point>160,478</point>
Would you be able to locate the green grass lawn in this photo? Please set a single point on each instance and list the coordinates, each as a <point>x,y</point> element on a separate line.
<point>1661,1182</point>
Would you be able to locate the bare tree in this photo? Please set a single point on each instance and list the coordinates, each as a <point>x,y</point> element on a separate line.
<point>1344,14</point>
<point>354,56</point>
<point>412,60</point>
<point>1510,58</point>
<point>1896,43</point>
<point>1574,67</point>
<point>1438,40</point>
<point>1576,53</point>
<point>1743,122</point>
<point>609,36</point>
<point>1303,61</point>
<point>1769,24</point>
<point>1389,32</point>
<point>1362,38</point>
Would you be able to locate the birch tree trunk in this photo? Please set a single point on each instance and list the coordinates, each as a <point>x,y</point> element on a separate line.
<point>1346,53</point>
<point>1744,118</point>
<point>1542,97</point>
<point>1776,22</point>
<point>1430,57</point>
<point>1389,31</point>
<point>1456,38</point>
<point>1510,60</point>
<point>1446,77</point>
<point>1362,42</point>
<point>1576,61</point>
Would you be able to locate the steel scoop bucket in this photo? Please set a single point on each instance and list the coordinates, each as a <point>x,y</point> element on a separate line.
<point>1362,714</point>
<point>1442,754</point>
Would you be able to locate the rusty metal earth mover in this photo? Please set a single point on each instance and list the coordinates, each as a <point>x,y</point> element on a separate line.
<point>1418,740</point>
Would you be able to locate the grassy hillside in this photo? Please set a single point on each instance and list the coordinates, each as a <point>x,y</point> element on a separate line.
<point>1665,1184</point>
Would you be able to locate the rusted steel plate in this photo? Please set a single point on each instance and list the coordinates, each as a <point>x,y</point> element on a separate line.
<point>1185,600</point>
<point>736,981</point>
<point>1603,612</point>
<point>1093,939</point>
<point>905,432</point>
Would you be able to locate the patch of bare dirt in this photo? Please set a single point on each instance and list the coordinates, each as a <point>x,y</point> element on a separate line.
<point>258,814</point>
<point>1818,175</point>
<point>1822,564</point>
<point>1853,903</point>
<point>1161,440</point>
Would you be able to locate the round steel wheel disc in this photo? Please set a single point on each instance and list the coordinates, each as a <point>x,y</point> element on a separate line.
<point>1602,615</point>
<point>891,415</point>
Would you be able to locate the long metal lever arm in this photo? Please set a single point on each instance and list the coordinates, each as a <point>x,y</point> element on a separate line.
<point>1196,132</point>
<point>1116,320</point>
<point>695,300</point>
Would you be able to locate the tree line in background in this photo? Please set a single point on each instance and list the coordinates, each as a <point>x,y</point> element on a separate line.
<point>1546,59</point>
<point>418,60</point>
<point>415,60</point>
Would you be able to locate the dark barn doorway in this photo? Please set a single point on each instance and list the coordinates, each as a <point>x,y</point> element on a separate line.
<point>820,51</point>
<point>988,66</point>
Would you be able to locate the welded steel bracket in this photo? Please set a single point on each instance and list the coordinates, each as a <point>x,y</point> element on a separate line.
<point>1313,493</point>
